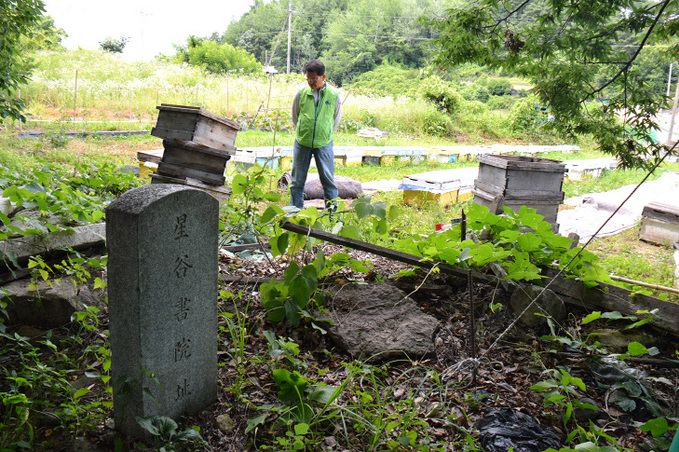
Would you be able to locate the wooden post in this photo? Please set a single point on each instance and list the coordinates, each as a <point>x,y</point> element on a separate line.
<point>75,98</point>
<point>130,99</point>
<point>19,97</point>
<point>269,97</point>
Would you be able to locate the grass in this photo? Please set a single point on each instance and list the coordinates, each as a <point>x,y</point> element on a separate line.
<point>625,255</point>
<point>369,410</point>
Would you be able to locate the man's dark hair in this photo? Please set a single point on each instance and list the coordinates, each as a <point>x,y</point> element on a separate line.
<point>316,67</point>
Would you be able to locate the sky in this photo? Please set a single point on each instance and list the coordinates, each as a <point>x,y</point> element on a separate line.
<point>152,25</point>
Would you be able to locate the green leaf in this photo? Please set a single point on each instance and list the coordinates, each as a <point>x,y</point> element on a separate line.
<point>255,421</point>
<point>362,207</point>
<point>587,447</point>
<point>351,232</point>
<point>591,317</point>
<point>189,435</point>
<point>99,283</point>
<point>270,213</point>
<point>147,424</point>
<point>636,349</point>
<point>310,276</point>
<point>292,312</point>
<point>323,394</point>
<point>657,427</point>
<point>238,184</point>
<point>301,429</point>
<point>80,392</point>
<point>379,209</point>
<point>612,315</point>
<point>279,244</point>
<point>292,384</point>
<point>273,197</point>
<point>529,242</point>
<point>290,272</point>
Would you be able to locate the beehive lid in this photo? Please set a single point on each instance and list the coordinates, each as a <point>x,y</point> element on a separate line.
<point>188,123</point>
<point>441,181</point>
<point>199,112</point>
<point>523,163</point>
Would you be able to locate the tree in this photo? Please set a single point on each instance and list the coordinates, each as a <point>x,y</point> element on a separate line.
<point>370,32</point>
<point>215,57</point>
<point>574,53</point>
<point>570,53</point>
<point>43,36</point>
<point>112,45</point>
<point>17,19</point>
<point>258,29</point>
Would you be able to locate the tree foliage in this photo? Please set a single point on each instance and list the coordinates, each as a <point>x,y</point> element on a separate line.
<point>17,19</point>
<point>43,36</point>
<point>351,37</point>
<point>114,45</point>
<point>257,30</point>
<point>574,53</point>
<point>217,58</point>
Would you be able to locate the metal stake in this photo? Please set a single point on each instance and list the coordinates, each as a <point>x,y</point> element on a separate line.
<point>470,291</point>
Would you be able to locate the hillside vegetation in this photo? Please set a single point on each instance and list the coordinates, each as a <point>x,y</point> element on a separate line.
<point>106,92</point>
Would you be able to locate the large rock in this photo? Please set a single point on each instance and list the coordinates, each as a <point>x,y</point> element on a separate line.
<point>379,321</point>
<point>53,243</point>
<point>548,303</point>
<point>49,305</point>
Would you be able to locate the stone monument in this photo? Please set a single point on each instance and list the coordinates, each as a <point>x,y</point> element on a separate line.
<point>162,282</point>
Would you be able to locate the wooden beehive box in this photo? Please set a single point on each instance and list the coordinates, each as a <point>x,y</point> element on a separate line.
<point>659,224</point>
<point>194,124</point>
<point>522,181</point>
<point>183,159</point>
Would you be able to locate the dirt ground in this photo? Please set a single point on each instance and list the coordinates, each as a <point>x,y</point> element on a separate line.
<point>506,368</point>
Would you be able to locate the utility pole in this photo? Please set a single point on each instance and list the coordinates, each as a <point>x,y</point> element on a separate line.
<point>289,32</point>
<point>673,115</point>
<point>669,81</point>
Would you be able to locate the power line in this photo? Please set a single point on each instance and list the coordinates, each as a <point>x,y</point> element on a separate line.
<point>261,33</point>
<point>356,15</point>
<point>363,34</point>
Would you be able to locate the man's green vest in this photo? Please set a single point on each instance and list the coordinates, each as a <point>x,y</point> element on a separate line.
<point>315,122</point>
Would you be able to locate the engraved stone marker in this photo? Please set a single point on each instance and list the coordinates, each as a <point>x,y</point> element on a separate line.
<point>162,286</point>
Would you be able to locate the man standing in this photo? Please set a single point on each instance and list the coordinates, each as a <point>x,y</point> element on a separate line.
<point>316,113</point>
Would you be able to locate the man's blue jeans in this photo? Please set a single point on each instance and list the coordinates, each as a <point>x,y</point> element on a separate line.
<point>325,163</point>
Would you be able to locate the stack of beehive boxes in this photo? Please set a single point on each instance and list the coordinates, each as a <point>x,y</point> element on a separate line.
<point>522,181</point>
<point>197,146</point>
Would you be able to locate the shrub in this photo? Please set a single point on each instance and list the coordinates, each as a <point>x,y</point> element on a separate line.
<point>440,93</point>
<point>501,102</point>
<point>525,115</point>
<point>387,80</point>
<point>438,124</point>
<point>221,58</point>
<point>479,93</point>
<point>499,86</point>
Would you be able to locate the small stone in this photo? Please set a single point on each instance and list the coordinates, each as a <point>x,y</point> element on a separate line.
<point>29,331</point>
<point>438,432</point>
<point>225,424</point>
<point>83,382</point>
<point>330,441</point>
<point>615,341</point>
